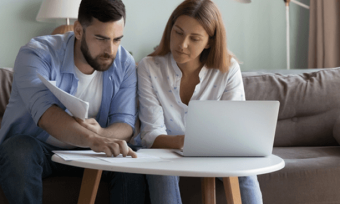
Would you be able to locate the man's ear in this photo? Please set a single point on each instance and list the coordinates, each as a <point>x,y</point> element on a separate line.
<point>78,30</point>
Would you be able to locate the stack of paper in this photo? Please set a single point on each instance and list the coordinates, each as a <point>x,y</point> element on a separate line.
<point>74,105</point>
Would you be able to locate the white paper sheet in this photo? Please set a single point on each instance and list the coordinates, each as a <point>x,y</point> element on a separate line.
<point>69,155</point>
<point>140,158</point>
<point>77,155</point>
<point>74,105</point>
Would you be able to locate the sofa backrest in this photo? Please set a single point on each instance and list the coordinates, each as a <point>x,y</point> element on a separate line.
<point>6,78</point>
<point>309,104</point>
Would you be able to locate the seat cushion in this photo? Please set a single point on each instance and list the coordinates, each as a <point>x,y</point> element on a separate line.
<point>311,176</point>
<point>309,104</point>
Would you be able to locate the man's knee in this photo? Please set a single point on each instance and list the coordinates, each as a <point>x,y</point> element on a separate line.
<point>20,150</point>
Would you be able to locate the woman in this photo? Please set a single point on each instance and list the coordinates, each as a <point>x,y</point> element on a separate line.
<point>191,63</point>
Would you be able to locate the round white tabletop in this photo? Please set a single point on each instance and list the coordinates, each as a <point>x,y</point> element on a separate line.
<point>187,166</point>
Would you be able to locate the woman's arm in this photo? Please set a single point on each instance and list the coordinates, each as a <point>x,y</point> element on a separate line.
<point>151,112</point>
<point>169,142</point>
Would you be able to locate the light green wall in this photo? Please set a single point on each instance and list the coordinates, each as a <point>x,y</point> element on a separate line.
<point>18,26</point>
<point>255,32</point>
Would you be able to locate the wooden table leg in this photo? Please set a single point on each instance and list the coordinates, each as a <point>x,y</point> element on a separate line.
<point>232,190</point>
<point>89,186</point>
<point>208,190</point>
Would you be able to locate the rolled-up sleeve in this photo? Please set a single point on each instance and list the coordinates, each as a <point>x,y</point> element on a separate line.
<point>35,95</point>
<point>151,111</point>
<point>123,107</point>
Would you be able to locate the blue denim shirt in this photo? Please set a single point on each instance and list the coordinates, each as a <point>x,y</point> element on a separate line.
<point>53,58</point>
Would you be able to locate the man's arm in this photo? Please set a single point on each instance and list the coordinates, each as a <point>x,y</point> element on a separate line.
<point>123,131</point>
<point>65,128</point>
<point>120,131</point>
<point>39,104</point>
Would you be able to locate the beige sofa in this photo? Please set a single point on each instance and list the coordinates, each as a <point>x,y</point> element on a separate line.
<point>307,138</point>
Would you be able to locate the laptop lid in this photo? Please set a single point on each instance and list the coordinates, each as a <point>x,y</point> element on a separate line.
<point>230,128</point>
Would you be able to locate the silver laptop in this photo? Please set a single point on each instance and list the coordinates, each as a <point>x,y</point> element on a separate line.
<point>230,128</point>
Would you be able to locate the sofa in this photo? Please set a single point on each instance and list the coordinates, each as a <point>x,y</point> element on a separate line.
<point>307,137</point>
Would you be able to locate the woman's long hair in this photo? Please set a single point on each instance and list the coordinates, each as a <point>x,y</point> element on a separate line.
<point>209,16</point>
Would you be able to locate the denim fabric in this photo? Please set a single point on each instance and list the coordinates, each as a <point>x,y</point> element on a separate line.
<point>25,161</point>
<point>165,189</point>
<point>250,190</point>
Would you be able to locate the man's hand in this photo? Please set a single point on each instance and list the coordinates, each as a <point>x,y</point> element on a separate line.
<point>111,147</point>
<point>63,127</point>
<point>90,124</point>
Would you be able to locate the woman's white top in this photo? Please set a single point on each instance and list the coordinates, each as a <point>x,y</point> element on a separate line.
<point>161,109</point>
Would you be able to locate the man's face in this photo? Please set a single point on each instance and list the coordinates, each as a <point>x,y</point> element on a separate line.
<point>100,42</point>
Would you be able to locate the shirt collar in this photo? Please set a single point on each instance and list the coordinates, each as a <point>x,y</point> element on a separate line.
<point>68,62</point>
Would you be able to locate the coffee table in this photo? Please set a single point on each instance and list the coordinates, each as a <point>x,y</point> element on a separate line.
<point>229,168</point>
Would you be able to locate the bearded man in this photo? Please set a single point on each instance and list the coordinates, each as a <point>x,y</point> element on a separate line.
<point>90,64</point>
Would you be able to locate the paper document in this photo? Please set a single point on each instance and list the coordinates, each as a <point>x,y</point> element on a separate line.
<point>77,155</point>
<point>140,158</point>
<point>69,155</point>
<point>74,105</point>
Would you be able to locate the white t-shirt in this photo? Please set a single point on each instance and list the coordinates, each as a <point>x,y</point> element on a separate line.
<point>90,89</point>
<point>161,109</point>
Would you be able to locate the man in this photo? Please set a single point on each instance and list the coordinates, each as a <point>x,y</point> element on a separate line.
<point>90,64</point>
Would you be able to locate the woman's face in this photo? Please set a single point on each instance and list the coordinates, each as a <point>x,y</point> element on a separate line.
<point>187,40</point>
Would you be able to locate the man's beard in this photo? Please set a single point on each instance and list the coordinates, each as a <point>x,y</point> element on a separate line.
<point>95,62</point>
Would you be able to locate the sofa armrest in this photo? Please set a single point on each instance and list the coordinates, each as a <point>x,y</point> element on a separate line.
<point>6,78</point>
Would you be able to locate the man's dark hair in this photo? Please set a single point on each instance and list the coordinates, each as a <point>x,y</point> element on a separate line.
<point>103,10</point>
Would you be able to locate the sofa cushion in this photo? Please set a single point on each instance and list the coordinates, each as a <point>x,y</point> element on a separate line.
<point>309,104</point>
<point>6,78</point>
<point>310,176</point>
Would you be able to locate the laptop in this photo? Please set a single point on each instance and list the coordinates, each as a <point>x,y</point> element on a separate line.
<point>230,128</point>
